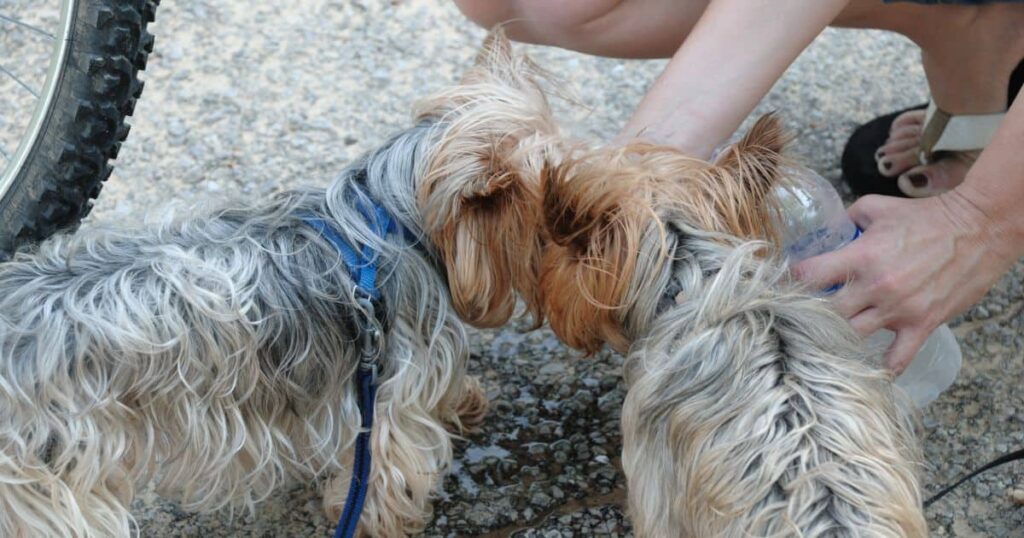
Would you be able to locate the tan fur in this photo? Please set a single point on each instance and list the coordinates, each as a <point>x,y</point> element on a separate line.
<point>751,409</point>
<point>213,355</point>
<point>481,191</point>
<point>599,202</point>
<point>472,409</point>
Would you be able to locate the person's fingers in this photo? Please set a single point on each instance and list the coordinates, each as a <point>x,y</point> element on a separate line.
<point>824,271</point>
<point>850,300</point>
<point>907,343</point>
<point>867,321</point>
<point>866,208</point>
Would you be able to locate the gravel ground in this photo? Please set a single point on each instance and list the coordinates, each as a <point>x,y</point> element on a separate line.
<point>245,98</point>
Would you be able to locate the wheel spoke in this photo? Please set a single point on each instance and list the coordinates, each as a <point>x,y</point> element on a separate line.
<point>27,26</point>
<point>5,71</point>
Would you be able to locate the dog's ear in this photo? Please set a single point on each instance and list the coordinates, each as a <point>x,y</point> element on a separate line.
<point>748,170</point>
<point>595,221</point>
<point>496,51</point>
<point>758,156</point>
<point>500,76</point>
<point>479,192</point>
<point>488,240</point>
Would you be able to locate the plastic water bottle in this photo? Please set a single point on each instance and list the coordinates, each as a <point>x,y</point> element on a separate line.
<point>813,221</point>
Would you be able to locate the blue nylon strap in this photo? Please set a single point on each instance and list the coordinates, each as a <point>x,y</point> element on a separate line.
<point>358,486</point>
<point>362,268</point>
<point>352,260</point>
<point>361,264</point>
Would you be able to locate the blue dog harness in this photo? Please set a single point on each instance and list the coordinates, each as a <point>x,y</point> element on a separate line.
<point>362,267</point>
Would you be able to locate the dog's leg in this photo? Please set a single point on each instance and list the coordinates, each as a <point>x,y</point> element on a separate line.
<point>410,452</point>
<point>410,446</point>
<point>89,498</point>
<point>651,465</point>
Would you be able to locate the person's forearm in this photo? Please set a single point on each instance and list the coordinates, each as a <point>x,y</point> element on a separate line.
<point>994,187</point>
<point>732,58</point>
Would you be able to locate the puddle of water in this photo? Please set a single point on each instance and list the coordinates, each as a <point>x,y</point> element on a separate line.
<point>476,454</point>
<point>466,482</point>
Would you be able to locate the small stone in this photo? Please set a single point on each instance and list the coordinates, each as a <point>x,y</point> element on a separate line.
<point>530,470</point>
<point>480,516</point>
<point>557,493</point>
<point>176,128</point>
<point>1017,496</point>
<point>552,368</point>
<point>540,499</point>
<point>982,490</point>
<point>173,52</point>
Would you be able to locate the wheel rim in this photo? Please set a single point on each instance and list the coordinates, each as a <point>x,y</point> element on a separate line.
<point>13,162</point>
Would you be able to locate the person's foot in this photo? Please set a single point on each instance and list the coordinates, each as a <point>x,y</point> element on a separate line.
<point>968,68</point>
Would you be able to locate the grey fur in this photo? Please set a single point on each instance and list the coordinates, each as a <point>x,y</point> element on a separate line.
<point>753,409</point>
<point>215,354</point>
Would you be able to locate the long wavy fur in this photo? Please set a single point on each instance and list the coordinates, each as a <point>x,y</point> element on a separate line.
<point>752,409</point>
<point>213,352</point>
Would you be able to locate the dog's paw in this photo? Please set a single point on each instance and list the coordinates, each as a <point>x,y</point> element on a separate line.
<point>334,491</point>
<point>472,408</point>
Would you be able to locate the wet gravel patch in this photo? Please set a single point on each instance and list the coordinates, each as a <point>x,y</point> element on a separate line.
<point>548,445</point>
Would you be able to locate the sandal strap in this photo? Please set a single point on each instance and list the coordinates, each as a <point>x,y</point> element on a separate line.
<point>947,132</point>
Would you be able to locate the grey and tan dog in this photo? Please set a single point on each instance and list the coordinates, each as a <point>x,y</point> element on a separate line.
<point>752,409</point>
<point>215,354</point>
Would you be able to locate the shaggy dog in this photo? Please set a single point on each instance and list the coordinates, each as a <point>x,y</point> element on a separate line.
<point>752,409</point>
<point>215,354</point>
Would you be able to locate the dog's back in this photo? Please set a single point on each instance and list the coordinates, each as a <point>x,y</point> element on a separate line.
<point>187,343</point>
<point>752,410</point>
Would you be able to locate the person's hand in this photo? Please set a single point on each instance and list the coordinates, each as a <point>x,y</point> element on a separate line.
<point>917,264</point>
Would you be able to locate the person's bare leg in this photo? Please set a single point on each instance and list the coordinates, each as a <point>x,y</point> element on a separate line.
<point>612,28</point>
<point>656,28</point>
<point>736,53</point>
<point>968,56</point>
<point>968,51</point>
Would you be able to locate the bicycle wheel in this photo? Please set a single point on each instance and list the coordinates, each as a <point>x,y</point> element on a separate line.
<point>71,124</point>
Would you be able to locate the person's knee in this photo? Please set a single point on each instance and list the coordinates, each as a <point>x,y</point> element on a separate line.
<point>488,13</point>
<point>540,21</point>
